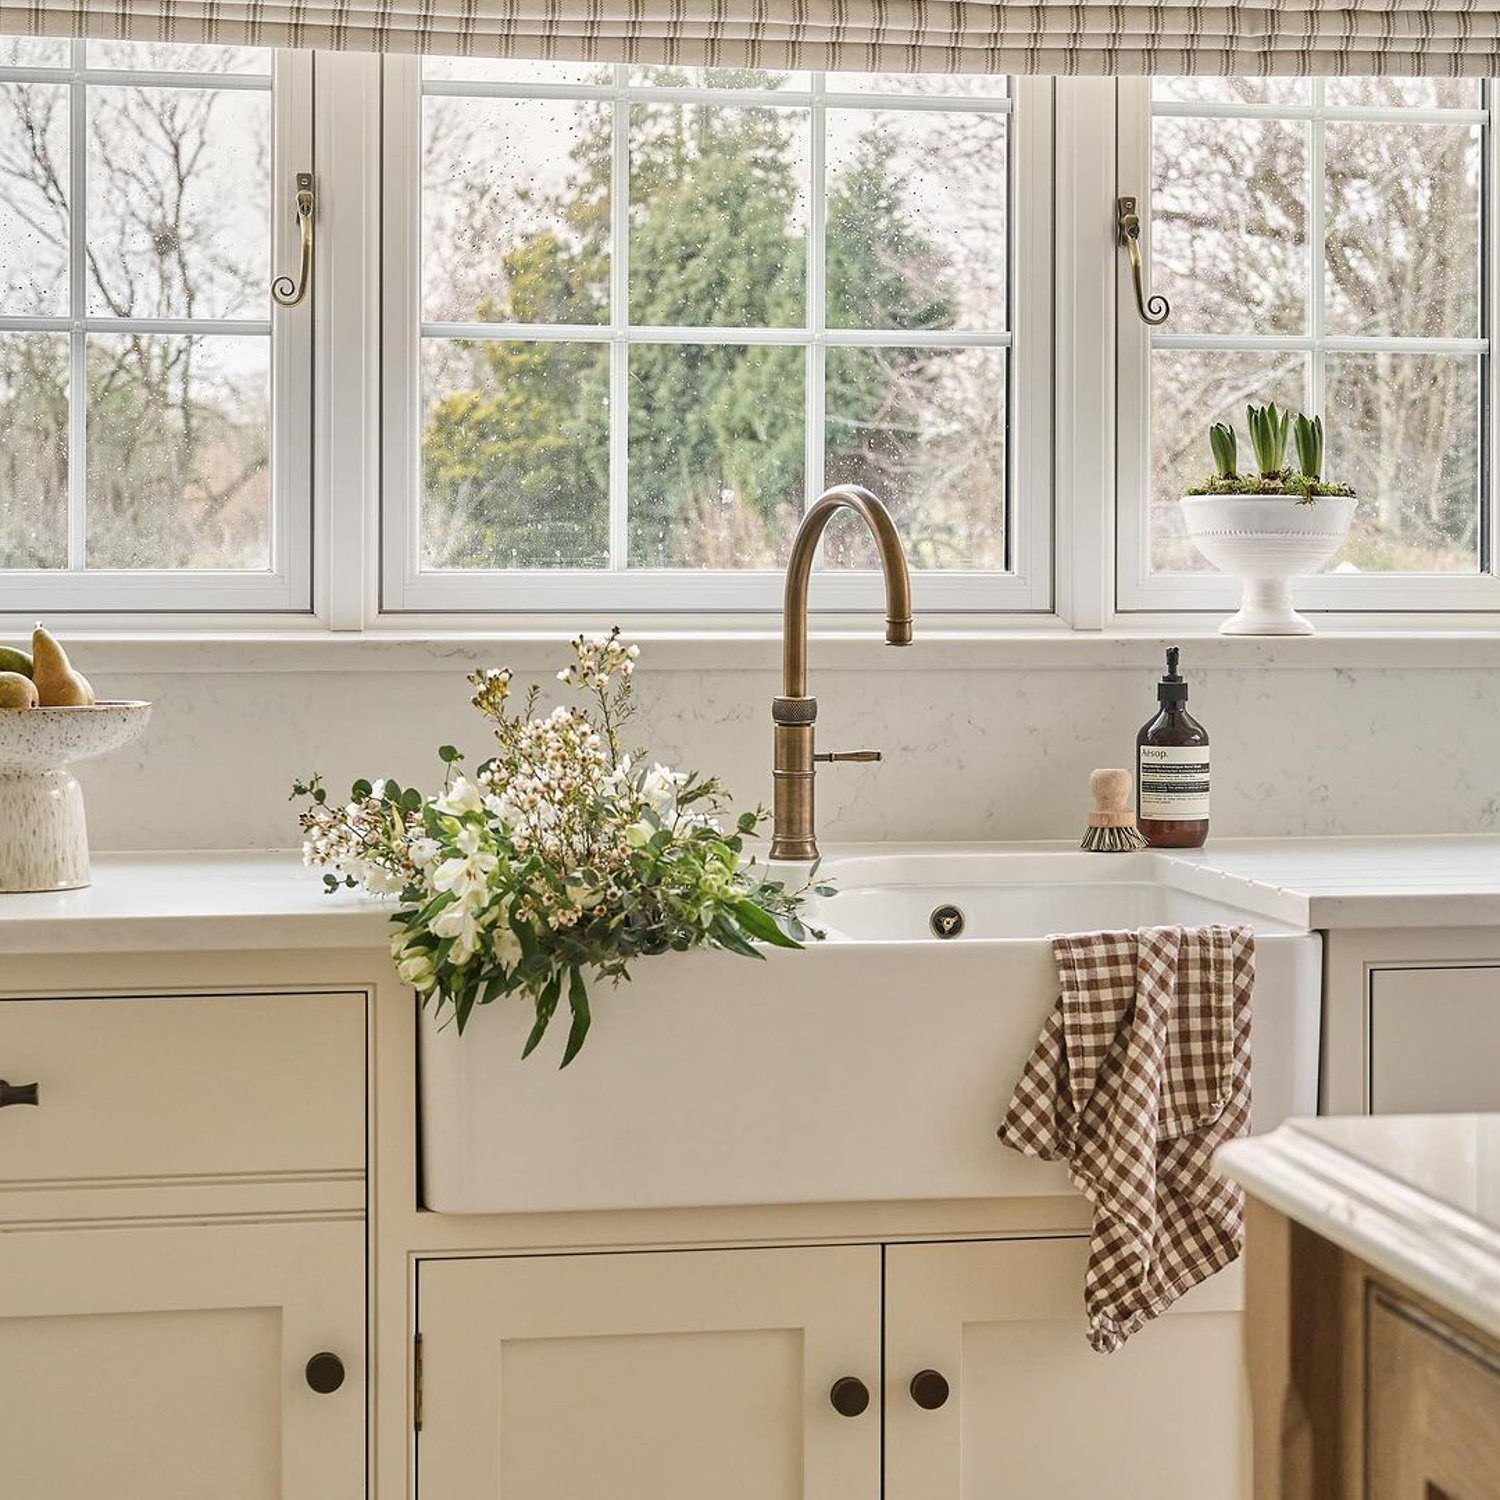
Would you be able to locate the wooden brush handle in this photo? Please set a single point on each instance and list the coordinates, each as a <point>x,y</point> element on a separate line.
<point>1111,791</point>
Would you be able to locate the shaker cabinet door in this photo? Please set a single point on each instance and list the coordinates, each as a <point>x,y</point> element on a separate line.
<point>661,1376</point>
<point>170,1364</point>
<point>1434,1040</point>
<point>991,1337</point>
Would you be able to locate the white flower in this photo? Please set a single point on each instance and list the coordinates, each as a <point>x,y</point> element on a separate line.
<point>461,922</point>
<point>659,787</point>
<point>460,798</point>
<point>505,945</point>
<point>423,851</point>
<point>380,881</point>
<point>414,967</point>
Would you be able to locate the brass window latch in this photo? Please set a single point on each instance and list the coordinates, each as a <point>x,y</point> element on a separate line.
<point>289,293</point>
<point>1154,309</point>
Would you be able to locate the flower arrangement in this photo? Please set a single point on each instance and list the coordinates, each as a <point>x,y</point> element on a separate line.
<point>561,856</point>
<point>1269,428</point>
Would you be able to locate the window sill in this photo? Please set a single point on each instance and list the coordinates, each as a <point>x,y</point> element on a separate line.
<point>941,649</point>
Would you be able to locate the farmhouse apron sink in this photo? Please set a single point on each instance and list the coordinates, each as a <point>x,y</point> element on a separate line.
<point>872,1066</point>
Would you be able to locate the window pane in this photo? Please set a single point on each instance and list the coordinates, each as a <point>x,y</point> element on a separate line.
<point>33,199</point>
<point>925,430</point>
<point>1232,90</point>
<point>33,450</point>
<point>178,430</point>
<point>718,78</point>
<point>515,210</point>
<point>515,454</point>
<point>1403,229</point>
<point>716,454</point>
<point>956,85</point>
<point>916,219</point>
<point>1403,429</point>
<point>718,215</point>
<point>1229,224</point>
<point>168,57</point>
<point>1190,390</point>
<point>516,70</point>
<point>179,202</point>
<point>1385,93</point>
<point>33,52</point>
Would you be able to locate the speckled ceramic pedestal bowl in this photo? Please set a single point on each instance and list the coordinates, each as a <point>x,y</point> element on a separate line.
<point>44,839</point>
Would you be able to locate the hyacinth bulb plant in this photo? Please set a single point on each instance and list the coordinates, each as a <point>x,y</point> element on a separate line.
<point>1270,427</point>
<point>561,860</point>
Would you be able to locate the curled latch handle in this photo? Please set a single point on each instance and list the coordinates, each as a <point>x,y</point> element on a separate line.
<point>289,293</point>
<point>1154,309</point>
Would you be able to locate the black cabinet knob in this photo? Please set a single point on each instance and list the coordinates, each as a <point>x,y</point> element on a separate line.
<point>928,1389</point>
<point>325,1373</point>
<point>849,1396</point>
<point>18,1093</point>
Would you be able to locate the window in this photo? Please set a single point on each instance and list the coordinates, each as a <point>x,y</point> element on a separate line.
<point>638,318</point>
<point>145,384</point>
<point>1324,244</point>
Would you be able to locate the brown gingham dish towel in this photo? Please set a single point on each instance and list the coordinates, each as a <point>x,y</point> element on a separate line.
<point>1141,1072</point>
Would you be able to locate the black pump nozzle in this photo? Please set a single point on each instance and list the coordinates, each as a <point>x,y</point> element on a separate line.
<point>1172,688</point>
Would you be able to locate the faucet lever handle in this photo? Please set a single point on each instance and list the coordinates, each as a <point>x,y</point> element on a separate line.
<point>861,755</point>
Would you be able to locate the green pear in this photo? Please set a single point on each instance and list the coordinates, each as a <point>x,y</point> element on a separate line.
<point>12,660</point>
<point>16,691</point>
<point>57,684</point>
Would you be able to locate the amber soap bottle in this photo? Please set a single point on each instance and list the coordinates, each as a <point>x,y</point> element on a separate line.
<point>1172,769</point>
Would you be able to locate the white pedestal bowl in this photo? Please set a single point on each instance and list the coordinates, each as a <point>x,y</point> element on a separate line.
<point>44,841</point>
<point>1266,541</point>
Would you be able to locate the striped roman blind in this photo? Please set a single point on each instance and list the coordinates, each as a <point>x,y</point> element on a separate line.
<point>1438,37</point>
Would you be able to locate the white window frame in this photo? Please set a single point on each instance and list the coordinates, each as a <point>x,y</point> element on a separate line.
<point>1387,594</point>
<point>405,588</point>
<point>285,587</point>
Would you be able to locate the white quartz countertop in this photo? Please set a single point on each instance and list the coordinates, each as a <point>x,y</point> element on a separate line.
<point>1363,882</point>
<point>239,899</point>
<point>149,902</point>
<point>1416,1196</point>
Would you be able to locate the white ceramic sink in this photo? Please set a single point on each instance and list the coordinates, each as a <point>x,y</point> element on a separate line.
<point>874,1065</point>
<point>884,898</point>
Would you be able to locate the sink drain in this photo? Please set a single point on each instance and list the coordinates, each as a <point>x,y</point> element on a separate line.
<point>946,921</point>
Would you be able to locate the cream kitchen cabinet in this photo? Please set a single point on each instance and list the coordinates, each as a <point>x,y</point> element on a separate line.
<point>182,1246</point>
<point>664,1376</point>
<point>683,1374</point>
<point>179,1363</point>
<point>1029,1408</point>
<point>1411,1022</point>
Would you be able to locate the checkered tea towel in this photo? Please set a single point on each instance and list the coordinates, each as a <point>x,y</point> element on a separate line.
<point>1141,1072</point>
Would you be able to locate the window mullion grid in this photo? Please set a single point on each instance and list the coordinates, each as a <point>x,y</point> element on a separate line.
<point>619,322</point>
<point>1317,264</point>
<point>77,310</point>
<point>1488,305</point>
<point>815,395</point>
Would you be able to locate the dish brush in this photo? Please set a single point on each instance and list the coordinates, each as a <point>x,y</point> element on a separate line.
<point>1111,825</point>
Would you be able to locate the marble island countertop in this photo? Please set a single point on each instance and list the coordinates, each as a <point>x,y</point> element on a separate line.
<point>1415,1196</point>
<point>244,899</point>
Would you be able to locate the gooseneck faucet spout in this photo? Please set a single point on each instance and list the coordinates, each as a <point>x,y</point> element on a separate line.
<point>795,712</point>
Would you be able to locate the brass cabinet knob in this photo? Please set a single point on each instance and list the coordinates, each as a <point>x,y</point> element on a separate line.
<point>928,1389</point>
<point>849,1396</point>
<point>325,1373</point>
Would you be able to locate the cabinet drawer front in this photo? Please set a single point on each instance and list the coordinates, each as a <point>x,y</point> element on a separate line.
<point>1435,1040</point>
<point>182,1086</point>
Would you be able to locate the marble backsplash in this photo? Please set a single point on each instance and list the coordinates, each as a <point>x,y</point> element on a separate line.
<point>970,754</point>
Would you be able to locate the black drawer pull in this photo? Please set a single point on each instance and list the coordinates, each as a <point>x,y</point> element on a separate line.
<point>325,1373</point>
<point>18,1093</point>
<point>849,1396</point>
<point>929,1389</point>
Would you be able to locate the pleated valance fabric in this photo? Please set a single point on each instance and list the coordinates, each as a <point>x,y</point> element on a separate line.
<point>1446,38</point>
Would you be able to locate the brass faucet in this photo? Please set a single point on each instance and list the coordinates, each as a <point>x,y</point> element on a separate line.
<point>795,711</point>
